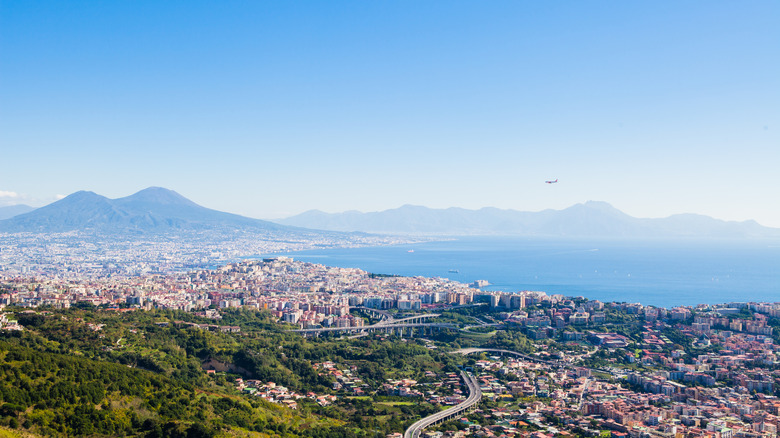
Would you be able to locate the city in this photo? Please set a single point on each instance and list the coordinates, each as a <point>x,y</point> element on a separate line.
<point>389,219</point>
<point>586,367</point>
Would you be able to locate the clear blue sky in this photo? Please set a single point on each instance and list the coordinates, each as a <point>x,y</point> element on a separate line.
<point>268,108</point>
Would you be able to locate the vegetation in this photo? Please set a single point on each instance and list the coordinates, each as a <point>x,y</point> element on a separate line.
<point>90,371</point>
<point>55,384</point>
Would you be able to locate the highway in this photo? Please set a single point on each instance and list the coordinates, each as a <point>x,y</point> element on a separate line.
<point>383,315</point>
<point>402,320</point>
<point>377,327</point>
<point>387,323</point>
<point>475,394</point>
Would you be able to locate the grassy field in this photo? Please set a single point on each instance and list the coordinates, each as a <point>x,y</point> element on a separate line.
<point>396,403</point>
<point>477,336</point>
<point>10,433</point>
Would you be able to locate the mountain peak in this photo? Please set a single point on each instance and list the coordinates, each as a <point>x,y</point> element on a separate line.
<point>82,195</point>
<point>600,205</point>
<point>156,195</point>
<point>597,207</point>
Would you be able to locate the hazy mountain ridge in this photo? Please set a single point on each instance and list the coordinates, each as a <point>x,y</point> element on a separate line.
<point>14,210</point>
<point>150,211</point>
<point>591,219</point>
<point>156,210</point>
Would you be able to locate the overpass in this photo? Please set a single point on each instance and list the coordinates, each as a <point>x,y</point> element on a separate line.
<point>386,317</point>
<point>383,315</point>
<point>378,326</point>
<point>475,394</point>
<point>387,323</point>
<point>417,318</point>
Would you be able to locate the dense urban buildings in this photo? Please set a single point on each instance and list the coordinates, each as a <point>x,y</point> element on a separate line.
<point>618,368</point>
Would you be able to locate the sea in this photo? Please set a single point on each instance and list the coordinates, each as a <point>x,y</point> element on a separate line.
<point>663,273</point>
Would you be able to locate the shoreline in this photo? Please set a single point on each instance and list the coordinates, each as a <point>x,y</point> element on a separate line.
<point>711,273</point>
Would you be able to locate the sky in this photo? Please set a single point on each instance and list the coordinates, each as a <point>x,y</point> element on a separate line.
<point>269,109</point>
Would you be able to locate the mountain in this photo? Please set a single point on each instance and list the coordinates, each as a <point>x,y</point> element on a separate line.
<point>591,219</point>
<point>14,210</point>
<point>151,211</point>
<point>159,211</point>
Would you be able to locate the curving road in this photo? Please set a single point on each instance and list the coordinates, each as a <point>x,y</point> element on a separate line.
<point>475,394</point>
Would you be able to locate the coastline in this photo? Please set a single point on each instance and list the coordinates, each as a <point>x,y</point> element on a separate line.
<point>660,273</point>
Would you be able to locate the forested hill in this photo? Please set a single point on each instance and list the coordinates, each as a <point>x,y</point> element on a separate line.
<point>93,373</point>
<point>86,371</point>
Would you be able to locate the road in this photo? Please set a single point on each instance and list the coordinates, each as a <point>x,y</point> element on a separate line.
<point>377,327</point>
<point>475,394</point>
<point>392,320</point>
<point>387,323</point>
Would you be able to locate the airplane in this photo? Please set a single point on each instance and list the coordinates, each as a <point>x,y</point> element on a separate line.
<point>552,182</point>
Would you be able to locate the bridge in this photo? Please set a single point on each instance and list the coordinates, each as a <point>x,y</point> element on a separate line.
<point>387,324</point>
<point>383,315</point>
<point>475,394</point>
<point>378,326</point>
<point>415,318</point>
<point>386,317</point>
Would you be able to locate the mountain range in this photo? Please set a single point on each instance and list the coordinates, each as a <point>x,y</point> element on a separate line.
<point>159,211</point>
<point>14,210</point>
<point>590,219</point>
<point>153,210</point>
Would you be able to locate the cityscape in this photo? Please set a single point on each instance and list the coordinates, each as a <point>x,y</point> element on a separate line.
<point>346,219</point>
<point>585,368</point>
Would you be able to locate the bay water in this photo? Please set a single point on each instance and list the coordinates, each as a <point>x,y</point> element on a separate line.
<point>664,273</point>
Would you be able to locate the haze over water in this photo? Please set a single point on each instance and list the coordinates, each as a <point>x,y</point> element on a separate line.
<point>662,273</point>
